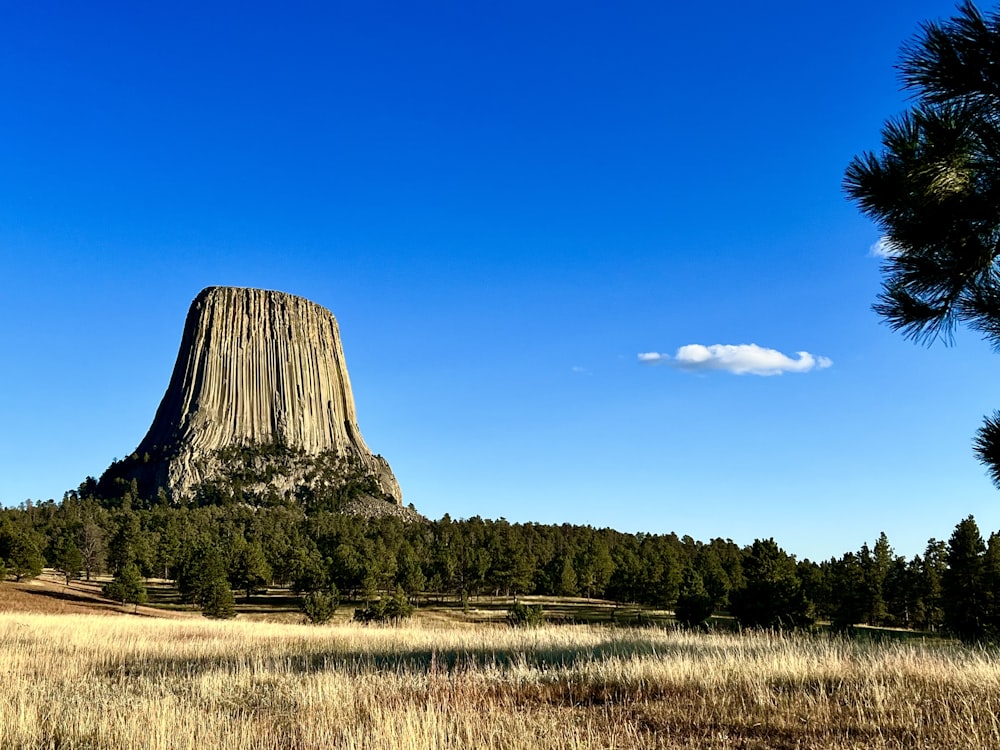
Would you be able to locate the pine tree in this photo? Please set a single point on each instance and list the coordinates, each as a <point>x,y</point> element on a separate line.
<point>398,607</point>
<point>127,587</point>
<point>250,568</point>
<point>934,192</point>
<point>901,592</point>
<point>713,575</point>
<point>203,580</point>
<point>320,606</point>
<point>929,609</point>
<point>991,586</point>
<point>694,603</point>
<point>772,596</point>
<point>851,601</point>
<point>409,572</point>
<point>876,573</point>
<point>24,560</point>
<point>964,594</point>
<point>216,599</point>
<point>68,559</point>
<point>123,548</point>
<point>567,577</point>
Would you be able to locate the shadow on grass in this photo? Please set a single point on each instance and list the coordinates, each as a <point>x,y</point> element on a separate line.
<point>68,596</point>
<point>431,660</point>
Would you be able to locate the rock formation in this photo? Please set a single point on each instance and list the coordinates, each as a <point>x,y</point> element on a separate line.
<point>260,380</point>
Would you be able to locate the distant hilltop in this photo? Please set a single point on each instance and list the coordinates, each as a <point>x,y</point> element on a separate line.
<point>259,407</point>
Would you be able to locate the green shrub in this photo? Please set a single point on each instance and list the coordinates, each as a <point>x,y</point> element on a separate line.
<point>398,607</point>
<point>372,613</point>
<point>217,600</point>
<point>127,587</point>
<point>394,609</point>
<point>523,615</point>
<point>694,604</point>
<point>320,606</point>
<point>24,560</point>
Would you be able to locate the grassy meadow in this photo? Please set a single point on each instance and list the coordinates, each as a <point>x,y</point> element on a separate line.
<point>101,681</point>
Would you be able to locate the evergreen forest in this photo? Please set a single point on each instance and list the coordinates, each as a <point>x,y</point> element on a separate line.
<point>211,550</point>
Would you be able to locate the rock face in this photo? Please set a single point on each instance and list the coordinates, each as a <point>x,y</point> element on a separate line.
<point>256,368</point>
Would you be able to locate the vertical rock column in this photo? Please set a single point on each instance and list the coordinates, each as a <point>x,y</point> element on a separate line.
<point>257,367</point>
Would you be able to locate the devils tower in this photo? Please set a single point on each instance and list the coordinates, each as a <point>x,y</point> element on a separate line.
<point>260,400</point>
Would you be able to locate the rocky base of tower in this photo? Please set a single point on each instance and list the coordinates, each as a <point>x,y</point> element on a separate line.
<point>255,474</point>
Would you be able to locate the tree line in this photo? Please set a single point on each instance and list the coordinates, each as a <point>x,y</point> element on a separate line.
<point>210,551</point>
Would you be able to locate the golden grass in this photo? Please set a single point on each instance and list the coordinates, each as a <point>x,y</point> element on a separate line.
<point>49,594</point>
<point>85,681</point>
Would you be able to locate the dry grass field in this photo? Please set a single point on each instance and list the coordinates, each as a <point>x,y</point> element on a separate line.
<point>108,680</point>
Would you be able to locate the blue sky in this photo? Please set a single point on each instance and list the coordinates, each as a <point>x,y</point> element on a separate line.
<point>504,206</point>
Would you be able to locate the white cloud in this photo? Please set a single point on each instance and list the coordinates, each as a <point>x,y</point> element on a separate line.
<point>883,249</point>
<point>739,359</point>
